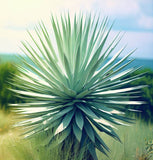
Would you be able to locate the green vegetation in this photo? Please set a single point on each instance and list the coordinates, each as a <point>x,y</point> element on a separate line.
<point>146,95</point>
<point>7,72</point>
<point>148,151</point>
<point>135,144</point>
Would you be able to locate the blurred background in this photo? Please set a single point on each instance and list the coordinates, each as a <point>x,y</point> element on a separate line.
<point>133,17</point>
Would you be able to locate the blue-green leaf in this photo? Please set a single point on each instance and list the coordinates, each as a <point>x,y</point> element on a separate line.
<point>89,130</point>
<point>77,132</point>
<point>65,122</point>
<point>79,119</point>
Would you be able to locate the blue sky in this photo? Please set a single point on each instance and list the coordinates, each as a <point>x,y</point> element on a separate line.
<point>135,17</point>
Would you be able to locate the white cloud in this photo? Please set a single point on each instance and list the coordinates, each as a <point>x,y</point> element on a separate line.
<point>146,22</point>
<point>23,12</point>
<point>118,7</point>
<point>16,15</point>
<point>10,40</point>
<point>141,40</point>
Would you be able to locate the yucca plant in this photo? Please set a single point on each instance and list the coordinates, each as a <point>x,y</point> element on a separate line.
<point>71,86</point>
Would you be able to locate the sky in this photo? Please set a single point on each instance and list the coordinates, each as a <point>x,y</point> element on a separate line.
<point>134,17</point>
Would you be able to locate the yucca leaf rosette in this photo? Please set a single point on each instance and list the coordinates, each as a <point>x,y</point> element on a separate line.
<point>70,84</point>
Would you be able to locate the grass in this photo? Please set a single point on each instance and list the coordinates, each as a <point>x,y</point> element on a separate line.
<point>12,147</point>
<point>133,141</point>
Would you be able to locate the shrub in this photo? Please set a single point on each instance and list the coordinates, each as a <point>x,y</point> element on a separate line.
<point>147,153</point>
<point>146,94</point>
<point>7,72</point>
<point>70,86</point>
